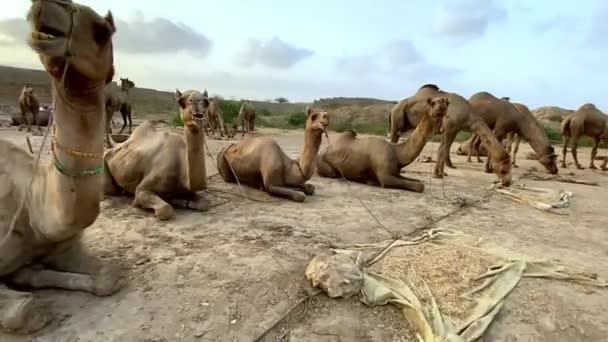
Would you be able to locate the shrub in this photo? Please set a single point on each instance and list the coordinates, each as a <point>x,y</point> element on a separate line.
<point>176,120</point>
<point>297,120</point>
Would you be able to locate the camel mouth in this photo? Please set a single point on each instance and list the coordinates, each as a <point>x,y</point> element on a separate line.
<point>49,21</point>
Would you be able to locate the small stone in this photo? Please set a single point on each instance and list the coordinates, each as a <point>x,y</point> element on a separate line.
<point>200,334</point>
<point>233,321</point>
<point>204,304</point>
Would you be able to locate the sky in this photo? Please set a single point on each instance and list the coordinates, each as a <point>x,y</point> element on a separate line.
<point>535,52</point>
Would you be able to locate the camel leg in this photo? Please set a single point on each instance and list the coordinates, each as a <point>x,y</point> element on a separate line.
<point>470,150</point>
<point>35,118</point>
<point>447,139</point>
<point>307,189</point>
<point>573,151</point>
<point>565,140</point>
<point>252,125</point>
<point>194,202</point>
<point>148,200</point>
<point>324,169</point>
<point>123,113</point>
<point>21,313</point>
<point>515,149</point>
<point>129,116</point>
<point>596,143</point>
<point>108,129</point>
<point>282,191</point>
<point>398,182</point>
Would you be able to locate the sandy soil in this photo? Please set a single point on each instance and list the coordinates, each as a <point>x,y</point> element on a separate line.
<point>230,273</point>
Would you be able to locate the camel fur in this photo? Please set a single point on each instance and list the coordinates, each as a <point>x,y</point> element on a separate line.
<point>505,118</point>
<point>160,167</point>
<point>374,160</point>
<point>29,107</point>
<point>61,198</point>
<point>260,162</point>
<point>406,115</point>
<point>246,118</point>
<point>589,121</point>
<point>119,99</point>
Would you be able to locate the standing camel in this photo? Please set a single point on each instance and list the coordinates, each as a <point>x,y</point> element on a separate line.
<point>29,106</point>
<point>374,160</point>
<point>408,112</point>
<point>61,198</point>
<point>119,100</point>
<point>503,117</point>
<point>246,117</point>
<point>589,121</point>
<point>160,167</point>
<point>260,162</point>
<point>215,118</point>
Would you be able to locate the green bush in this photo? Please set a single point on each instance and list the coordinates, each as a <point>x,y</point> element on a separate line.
<point>176,120</point>
<point>297,120</point>
<point>230,109</point>
<point>264,112</point>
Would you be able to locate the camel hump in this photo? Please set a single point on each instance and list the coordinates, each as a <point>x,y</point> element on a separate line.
<point>430,86</point>
<point>588,106</point>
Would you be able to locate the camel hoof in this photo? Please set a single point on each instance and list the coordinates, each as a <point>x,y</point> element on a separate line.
<point>164,212</point>
<point>592,167</point>
<point>299,197</point>
<point>309,189</point>
<point>201,205</point>
<point>438,176</point>
<point>25,316</point>
<point>451,166</point>
<point>108,281</point>
<point>564,166</point>
<point>580,167</point>
<point>418,187</point>
<point>515,166</point>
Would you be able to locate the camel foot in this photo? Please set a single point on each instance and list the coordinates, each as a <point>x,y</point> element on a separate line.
<point>198,203</point>
<point>24,315</point>
<point>451,166</point>
<point>479,161</point>
<point>308,189</point>
<point>439,175</point>
<point>163,212</point>
<point>298,197</point>
<point>592,167</point>
<point>564,166</point>
<point>515,166</point>
<point>108,281</point>
<point>580,167</point>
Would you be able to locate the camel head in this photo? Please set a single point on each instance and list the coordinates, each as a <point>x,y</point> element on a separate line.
<point>316,121</point>
<point>27,91</point>
<point>439,109</point>
<point>193,107</point>
<point>505,98</point>
<point>67,34</point>
<point>548,159</point>
<point>126,84</point>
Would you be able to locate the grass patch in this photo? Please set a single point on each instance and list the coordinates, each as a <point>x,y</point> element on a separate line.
<point>176,120</point>
<point>297,120</point>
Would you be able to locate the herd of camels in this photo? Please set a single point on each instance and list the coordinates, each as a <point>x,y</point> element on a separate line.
<point>45,207</point>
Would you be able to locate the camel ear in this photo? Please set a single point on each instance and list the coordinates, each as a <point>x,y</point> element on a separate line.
<point>205,94</point>
<point>180,99</point>
<point>447,102</point>
<point>307,111</point>
<point>110,19</point>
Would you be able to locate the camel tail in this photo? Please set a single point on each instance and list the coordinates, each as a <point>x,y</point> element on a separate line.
<point>566,126</point>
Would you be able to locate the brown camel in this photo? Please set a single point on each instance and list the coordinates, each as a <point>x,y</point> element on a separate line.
<point>61,198</point>
<point>215,119</point>
<point>374,160</point>
<point>29,106</point>
<point>589,121</point>
<point>503,117</point>
<point>160,167</point>
<point>468,148</point>
<point>246,117</point>
<point>260,162</point>
<point>118,99</point>
<point>460,116</point>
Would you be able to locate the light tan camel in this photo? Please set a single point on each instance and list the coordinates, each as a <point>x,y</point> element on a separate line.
<point>160,167</point>
<point>460,116</point>
<point>374,160</point>
<point>467,148</point>
<point>61,198</point>
<point>29,106</point>
<point>246,117</point>
<point>260,162</point>
<point>589,121</point>
<point>215,119</point>
<point>503,118</point>
<point>119,100</point>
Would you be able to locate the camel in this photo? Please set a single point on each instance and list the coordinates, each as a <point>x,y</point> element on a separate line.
<point>468,148</point>
<point>216,118</point>
<point>58,200</point>
<point>589,121</point>
<point>29,106</point>
<point>119,100</point>
<point>260,162</point>
<point>160,167</point>
<point>42,118</point>
<point>374,160</point>
<point>460,116</point>
<point>246,117</point>
<point>503,117</point>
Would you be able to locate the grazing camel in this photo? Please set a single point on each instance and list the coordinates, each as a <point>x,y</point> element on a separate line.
<point>29,106</point>
<point>374,160</point>
<point>215,119</point>
<point>260,162</point>
<point>505,117</point>
<point>160,167</point>
<point>61,198</point>
<point>246,117</point>
<point>119,100</point>
<point>460,116</point>
<point>589,121</point>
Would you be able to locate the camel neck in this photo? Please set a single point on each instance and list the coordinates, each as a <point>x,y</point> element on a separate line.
<point>410,149</point>
<point>308,156</point>
<point>535,135</point>
<point>195,156</point>
<point>71,197</point>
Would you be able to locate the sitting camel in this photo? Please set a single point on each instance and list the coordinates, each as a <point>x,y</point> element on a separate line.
<point>260,162</point>
<point>159,167</point>
<point>504,118</point>
<point>246,117</point>
<point>119,99</point>
<point>589,121</point>
<point>406,115</point>
<point>468,148</point>
<point>374,160</point>
<point>29,106</point>
<point>215,119</point>
<point>54,202</point>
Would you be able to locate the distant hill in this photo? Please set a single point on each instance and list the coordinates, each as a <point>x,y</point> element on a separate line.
<point>337,102</point>
<point>551,116</point>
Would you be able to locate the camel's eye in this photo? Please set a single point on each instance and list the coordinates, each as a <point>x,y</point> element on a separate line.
<point>101,33</point>
<point>314,117</point>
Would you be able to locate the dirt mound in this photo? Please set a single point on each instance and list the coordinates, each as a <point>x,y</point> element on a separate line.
<point>372,114</point>
<point>551,116</point>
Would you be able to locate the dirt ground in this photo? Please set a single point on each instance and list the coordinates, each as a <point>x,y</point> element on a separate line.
<point>230,273</point>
